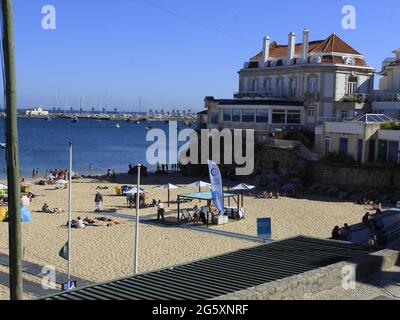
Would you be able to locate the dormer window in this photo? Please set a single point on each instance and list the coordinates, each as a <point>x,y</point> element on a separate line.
<point>349,61</point>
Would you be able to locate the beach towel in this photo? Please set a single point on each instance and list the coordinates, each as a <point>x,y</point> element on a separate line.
<point>3,214</point>
<point>25,215</point>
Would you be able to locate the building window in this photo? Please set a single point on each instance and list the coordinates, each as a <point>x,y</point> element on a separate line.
<point>236,115</point>
<point>292,87</point>
<point>269,86</point>
<point>394,152</point>
<point>278,117</point>
<point>311,112</point>
<point>262,116</point>
<point>312,85</point>
<point>248,116</point>
<point>227,115</point>
<point>382,151</point>
<point>294,117</point>
<point>214,117</point>
<point>352,85</point>
<point>327,146</point>
<point>279,87</point>
<point>360,150</point>
<point>343,146</point>
<point>254,85</point>
<point>344,115</point>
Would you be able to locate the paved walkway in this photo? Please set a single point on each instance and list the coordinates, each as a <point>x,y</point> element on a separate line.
<point>198,228</point>
<point>36,271</point>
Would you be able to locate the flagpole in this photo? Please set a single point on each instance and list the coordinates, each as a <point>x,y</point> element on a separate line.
<point>70,212</point>
<point>137,221</point>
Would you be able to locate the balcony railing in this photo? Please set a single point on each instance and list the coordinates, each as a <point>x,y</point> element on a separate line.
<point>385,97</point>
<point>264,95</point>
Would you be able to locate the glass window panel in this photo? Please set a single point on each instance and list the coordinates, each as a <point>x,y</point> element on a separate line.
<point>262,116</point>
<point>278,117</point>
<point>236,115</point>
<point>227,115</point>
<point>248,115</point>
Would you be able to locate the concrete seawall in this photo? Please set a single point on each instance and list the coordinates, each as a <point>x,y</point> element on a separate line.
<point>303,286</point>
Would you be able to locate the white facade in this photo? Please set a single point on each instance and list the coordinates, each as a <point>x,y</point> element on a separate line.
<point>387,99</point>
<point>329,83</point>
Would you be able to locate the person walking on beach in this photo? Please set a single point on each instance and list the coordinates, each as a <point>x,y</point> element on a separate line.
<point>160,211</point>
<point>98,200</point>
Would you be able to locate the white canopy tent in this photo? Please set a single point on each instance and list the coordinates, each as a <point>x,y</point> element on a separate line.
<point>242,188</point>
<point>168,187</point>
<point>199,184</point>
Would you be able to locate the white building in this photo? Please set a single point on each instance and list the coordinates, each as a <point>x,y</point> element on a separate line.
<point>297,85</point>
<point>367,139</point>
<point>36,112</point>
<point>387,99</point>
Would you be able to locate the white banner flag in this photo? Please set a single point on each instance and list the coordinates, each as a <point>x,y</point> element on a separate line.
<point>216,186</point>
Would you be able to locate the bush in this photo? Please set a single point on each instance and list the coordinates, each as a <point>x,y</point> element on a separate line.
<point>392,125</point>
<point>340,158</point>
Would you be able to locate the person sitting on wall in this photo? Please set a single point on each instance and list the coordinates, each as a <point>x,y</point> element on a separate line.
<point>335,233</point>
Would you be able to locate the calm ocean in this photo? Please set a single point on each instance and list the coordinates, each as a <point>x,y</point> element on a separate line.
<point>44,145</point>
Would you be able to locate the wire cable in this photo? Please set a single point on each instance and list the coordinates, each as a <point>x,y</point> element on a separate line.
<point>196,22</point>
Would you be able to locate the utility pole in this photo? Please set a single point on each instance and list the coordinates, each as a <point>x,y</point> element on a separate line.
<point>14,189</point>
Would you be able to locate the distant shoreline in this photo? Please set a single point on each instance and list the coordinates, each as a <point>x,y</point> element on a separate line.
<point>114,117</point>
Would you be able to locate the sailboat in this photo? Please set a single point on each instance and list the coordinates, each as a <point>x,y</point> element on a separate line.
<point>75,119</point>
<point>3,145</point>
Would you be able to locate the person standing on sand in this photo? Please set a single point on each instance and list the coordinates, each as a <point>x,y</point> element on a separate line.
<point>98,200</point>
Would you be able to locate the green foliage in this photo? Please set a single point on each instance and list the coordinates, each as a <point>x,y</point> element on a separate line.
<point>392,125</point>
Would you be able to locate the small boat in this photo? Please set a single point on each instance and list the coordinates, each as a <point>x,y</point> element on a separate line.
<point>117,126</point>
<point>48,119</point>
<point>75,120</point>
<point>138,122</point>
<point>149,128</point>
<point>3,145</point>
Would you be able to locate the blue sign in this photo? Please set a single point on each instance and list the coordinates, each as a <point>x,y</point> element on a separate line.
<point>264,228</point>
<point>71,285</point>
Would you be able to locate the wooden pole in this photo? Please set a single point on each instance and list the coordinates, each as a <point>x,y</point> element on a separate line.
<point>14,188</point>
<point>70,214</point>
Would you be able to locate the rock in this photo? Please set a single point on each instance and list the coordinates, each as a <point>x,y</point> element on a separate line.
<point>332,192</point>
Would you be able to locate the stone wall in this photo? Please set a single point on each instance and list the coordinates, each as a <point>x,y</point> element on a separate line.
<point>357,177</point>
<point>267,157</point>
<point>304,285</point>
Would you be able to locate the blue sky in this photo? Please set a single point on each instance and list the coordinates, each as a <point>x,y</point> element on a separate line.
<point>172,53</point>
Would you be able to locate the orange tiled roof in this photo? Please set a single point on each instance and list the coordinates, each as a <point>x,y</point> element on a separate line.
<point>331,44</point>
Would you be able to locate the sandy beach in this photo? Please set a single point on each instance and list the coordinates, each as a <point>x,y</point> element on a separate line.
<point>106,252</point>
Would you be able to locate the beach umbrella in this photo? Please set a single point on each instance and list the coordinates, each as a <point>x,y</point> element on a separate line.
<point>289,186</point>
<point>168,187</point>
<point>242,188</point>
<point>199,184</point>
<point>134,191</point>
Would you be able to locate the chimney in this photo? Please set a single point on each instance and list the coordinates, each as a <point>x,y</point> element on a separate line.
<point>265,54</point>
<point>304,52</point>
<point>291,47</point>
